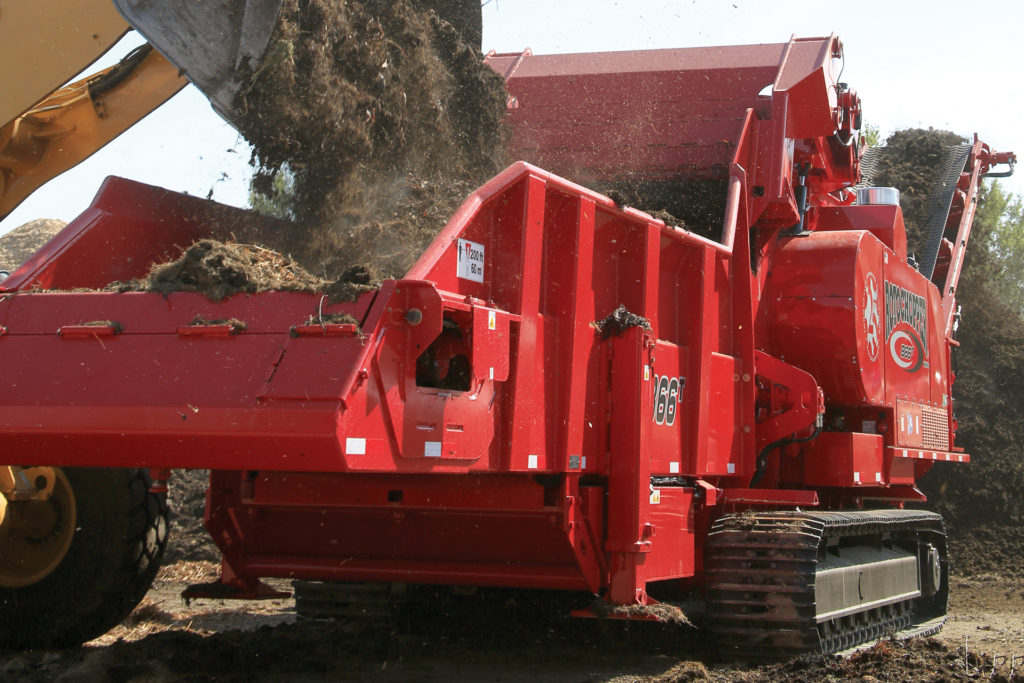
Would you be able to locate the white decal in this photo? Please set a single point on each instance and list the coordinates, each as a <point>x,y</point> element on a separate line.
<point>355,446</point>
<point>872,318</point>
<point>673,468</point>
<point>531,462</point>
<point>431,449</point>
<point>471,261</point>
<point>905,307</point>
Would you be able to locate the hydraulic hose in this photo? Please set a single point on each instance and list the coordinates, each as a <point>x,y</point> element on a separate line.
<point>762,457</point>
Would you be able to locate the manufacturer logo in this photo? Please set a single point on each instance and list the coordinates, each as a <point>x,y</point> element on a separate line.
<point>906,327</point>
<point>871,318</point>
<point>905,348</point>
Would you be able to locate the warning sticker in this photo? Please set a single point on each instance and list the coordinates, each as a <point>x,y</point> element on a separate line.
<point>471,261</point>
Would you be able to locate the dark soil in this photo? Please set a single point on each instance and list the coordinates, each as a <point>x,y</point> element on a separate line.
<point>188,538</point>
<point>913,660</point>
<point>508,642</point>
<point>396,224</point>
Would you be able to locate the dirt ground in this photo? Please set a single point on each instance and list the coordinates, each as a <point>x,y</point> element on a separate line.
<point>509,641</point>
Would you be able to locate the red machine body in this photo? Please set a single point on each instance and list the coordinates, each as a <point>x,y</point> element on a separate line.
<point>475,427</point>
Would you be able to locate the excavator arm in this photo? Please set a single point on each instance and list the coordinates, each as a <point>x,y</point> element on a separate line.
<point>50,127</point>
<point>75,121</point>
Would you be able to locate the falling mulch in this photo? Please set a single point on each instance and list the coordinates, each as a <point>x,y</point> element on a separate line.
<point>382,116</point>
<point>377,119</point>
<point>696,204</point>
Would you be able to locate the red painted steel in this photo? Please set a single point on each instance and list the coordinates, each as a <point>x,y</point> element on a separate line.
<point>475,427</point>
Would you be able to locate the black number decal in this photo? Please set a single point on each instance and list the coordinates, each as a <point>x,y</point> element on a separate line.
<point>668,393</point>
<point>673,401</point>
<point>662,404</point>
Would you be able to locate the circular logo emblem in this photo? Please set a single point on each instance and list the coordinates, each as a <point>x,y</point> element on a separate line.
<point>906,348</point>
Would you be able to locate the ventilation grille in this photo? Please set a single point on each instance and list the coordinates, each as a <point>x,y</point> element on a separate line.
<point>934,429</point>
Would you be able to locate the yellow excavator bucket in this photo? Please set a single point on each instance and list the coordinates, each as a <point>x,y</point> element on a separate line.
<point>214,42</point>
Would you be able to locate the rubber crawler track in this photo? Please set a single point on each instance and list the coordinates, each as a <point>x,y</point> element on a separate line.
<point>760,572</point>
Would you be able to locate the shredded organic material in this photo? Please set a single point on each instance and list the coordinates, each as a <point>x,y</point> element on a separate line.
<point>661,612</point>
<point>332,319</point>
<point>620,320</point>
<point>219,269</point>
<point>235,324</point>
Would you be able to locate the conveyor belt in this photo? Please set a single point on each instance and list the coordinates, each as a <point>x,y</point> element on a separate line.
<point>940,199</point>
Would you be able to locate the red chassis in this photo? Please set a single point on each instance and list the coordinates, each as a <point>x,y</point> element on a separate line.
<point>475,428</point>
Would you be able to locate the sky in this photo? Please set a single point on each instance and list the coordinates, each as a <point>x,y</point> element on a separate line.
<point>940,64</point>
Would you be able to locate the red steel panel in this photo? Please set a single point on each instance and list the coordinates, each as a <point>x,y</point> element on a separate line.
<point>844,459</point>
<point>694,101</point>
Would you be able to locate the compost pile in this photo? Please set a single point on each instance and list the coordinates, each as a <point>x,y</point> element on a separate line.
<point>18,244</point>
<point>981,502</point>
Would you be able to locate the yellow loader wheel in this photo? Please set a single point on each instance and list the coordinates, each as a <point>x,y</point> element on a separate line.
<point>79,563</point>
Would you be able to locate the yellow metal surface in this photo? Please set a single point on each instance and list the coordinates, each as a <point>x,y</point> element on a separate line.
<point>73,123</point>
<point>26,483</point>
<point>44,43</point>
<point>35,531</point>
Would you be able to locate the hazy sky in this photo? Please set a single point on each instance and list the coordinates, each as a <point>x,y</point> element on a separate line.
<point>941,64</point>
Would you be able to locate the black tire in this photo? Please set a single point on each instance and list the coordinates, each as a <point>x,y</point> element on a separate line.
<point>119,540</point>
